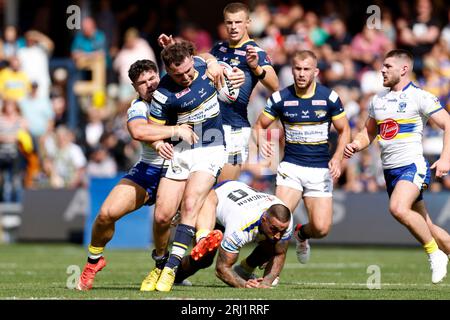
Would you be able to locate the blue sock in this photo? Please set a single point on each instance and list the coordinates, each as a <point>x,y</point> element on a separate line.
<point>183,238</point>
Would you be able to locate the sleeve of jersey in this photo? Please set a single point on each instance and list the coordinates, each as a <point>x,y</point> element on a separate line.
<point>158,107</point>
<point>271,109</point>
<point>199,62</point>
<point>232,242</point>
<point>214,49</point>
<point>264,59</point>
<point>137,110</point>
<point>429,104</point>
<point>337,110</point>
<point>370,110</point>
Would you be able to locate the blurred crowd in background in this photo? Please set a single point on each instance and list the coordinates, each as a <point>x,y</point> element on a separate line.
<point>43,146</point>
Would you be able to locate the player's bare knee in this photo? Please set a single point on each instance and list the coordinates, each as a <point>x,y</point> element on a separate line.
<point>189,211</point>
<point>320,231</point>
<point>106,216</point>
<point>162,219</point>
<point>398,212</point>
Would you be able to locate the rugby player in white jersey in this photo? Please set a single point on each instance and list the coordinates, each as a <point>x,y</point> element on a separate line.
<point>306,110</point>
<point>139,186</point>
<point>245,216</point>
<point>396,118</point>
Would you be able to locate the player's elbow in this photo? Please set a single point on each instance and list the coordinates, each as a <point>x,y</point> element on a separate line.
<point>136,133</point>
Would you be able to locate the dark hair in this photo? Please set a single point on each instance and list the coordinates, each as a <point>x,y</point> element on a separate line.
<point>280,212</point>
<point>140,66</point>
<point>177,52</point>
<point>235,7</point>
<point>400,53</point>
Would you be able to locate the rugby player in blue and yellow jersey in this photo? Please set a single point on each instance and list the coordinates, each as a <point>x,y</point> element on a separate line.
<point>244,53</point>
<point>307,109</point>
<point>185,96</point>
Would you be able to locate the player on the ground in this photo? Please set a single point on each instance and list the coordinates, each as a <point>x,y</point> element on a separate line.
<point>187,96</point>
<point>245,215</point>
<point>139,186</point>
<point>396,118</point>
<point>307,109</point>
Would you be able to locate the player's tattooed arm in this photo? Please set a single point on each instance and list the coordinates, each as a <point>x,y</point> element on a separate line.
<point>224,270</point>
<point>275,264</point>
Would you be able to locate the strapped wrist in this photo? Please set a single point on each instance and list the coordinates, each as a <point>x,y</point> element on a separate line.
<point>262,75</point>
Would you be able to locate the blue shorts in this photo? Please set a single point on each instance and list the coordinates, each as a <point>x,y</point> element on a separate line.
<point>146,176</point>
<point>418,173</point>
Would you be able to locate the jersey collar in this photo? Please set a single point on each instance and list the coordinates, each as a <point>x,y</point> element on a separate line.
<point>306,96</point>
<point>239,45</point>
<point>408,85</point>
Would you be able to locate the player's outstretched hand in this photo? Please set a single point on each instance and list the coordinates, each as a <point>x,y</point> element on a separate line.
<point>237,77</point>
<point>350,150</point>
<point>164,40</point>
<point>165,150</point>
<point>257,283</point>
<point>442,168</point>
<point>252,57</point>
<point>186,133</point>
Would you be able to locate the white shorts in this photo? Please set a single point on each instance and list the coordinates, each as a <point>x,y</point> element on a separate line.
<point>236,140</point>
<point>186,161</point>
<point>313,182</point>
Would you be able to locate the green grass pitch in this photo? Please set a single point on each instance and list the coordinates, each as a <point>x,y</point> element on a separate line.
<point>43,271</point>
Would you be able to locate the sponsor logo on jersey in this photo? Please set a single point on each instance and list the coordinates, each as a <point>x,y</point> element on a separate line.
<point>182,93</point>
<point>159,96</point>
<point>402,96</point>
<point>291,103</point>
<point>290,115</point>
<point>239,52</point>
<point>188,103</point>
<point>223,49</point>
<point>392,100</point>
<point>204,76</point>
<point>305,114</point>
<point>401,107</point>
<point>320,113</point>
<point>202,92</point>
<point>268,59</point>
<point>319,103</point>
<point>389,129</point>
<point>234,62</point>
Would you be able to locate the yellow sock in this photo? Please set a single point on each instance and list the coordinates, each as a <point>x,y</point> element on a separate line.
<point>201,233</point>
<point>431,247</point>
<point>95,251</point>
<point>246,267</point>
